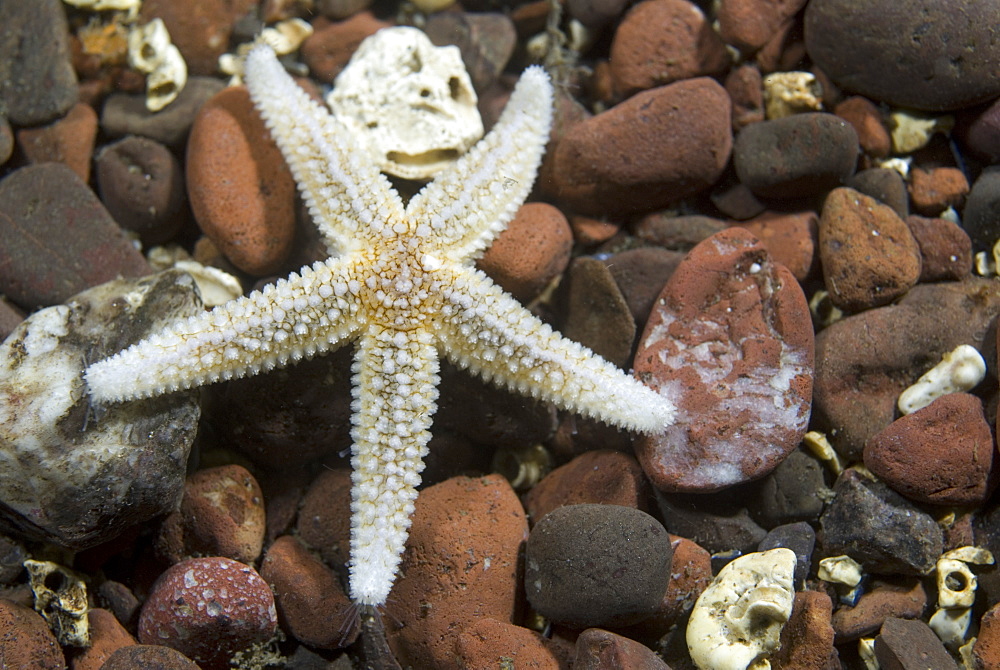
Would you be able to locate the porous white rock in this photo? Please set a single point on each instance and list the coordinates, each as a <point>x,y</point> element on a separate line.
<point>151,52</point>
<point>960,370</point>
<point>788,93</point>
<point>736,622</point>
<point>61,598</point>
<point>410,103</point>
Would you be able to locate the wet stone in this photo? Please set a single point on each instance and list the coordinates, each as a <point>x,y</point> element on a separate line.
<point>100,476</point>
<point>885,185</point>
<point>488,643</point>
<point>986,650</point>
<point>68,140</point>
<point>485,40</point>
<point>879,528</point>
<point>910,645</point>
<point>866,119</point>
<point>807,638</point>
<point>597,565</point>
<point>25,639</point>
<point>934,190</point>
<point>680,233</point>
<point>597,315</point>
<point>718,525</point>
<point>730,343</point>
<point>640,275</point>
<point>795,491</point>
<point>148,657</point>
<point>790,238</point>
<point>981,216</point>
<point>902,598</point>
<point>126,113</point>
<point>945,248</point>
<point>597,649</point>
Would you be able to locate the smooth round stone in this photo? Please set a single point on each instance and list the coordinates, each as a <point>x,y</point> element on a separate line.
<point>148,657</point>
<point>885,185</point>
<point>26,640</point>
<point>866,119</point>
<point>597,565</point>
<point>922,54</point>
<point>981,216</point>
<point>730,342</point>
<point>945,249</point>
<point>597,315</point>
<point>796,156</point>
<point>126,113</point>
<point>68,140</point>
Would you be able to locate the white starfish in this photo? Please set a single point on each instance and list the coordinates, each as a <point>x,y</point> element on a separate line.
<point>401,282</point>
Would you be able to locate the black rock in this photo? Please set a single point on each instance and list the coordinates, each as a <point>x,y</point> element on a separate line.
<point>793,492</point>
<point>714,522</point>
<point>800,538</point>
<point>886,186</point>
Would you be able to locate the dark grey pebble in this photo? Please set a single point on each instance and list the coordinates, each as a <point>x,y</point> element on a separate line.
<point>981,216</point>
<point>126,113</point>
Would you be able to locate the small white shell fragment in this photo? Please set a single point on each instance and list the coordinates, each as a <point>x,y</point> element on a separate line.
<point>951,626</point>
<point>866,650</point>
<point>150,51</point>
<point>985,265</point>
<point>284,37</point>
<point>64,606</point>
<point>737,620</point>
<point>959,370</point>
<point>840,570</point>
<point>956,584</point>
<point>409,102</point>
<point>106,5</point>
<point>969,554</point>
<point>821,448</point>
<point>900,164</point>
<point>788,93</point>
<point>913,130</point>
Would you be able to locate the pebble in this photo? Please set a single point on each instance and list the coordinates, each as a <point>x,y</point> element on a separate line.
<point>119,600</point>
<point>79,483</point>
<point>531,252</point>
<point>981,216</point>
<point>311,603</point>
<point>745,87</point>
<point>793,492</point>
<point>790,238</point>
<point>865,361</point>
<point>662,41</point>
<point>986,650</point>
<point>885,185</point>
<point>324,521</point>
<point>801,539</point>
<point>730,343</point>
<point>640,275</point>
<point>485,40</point>
<point>748,25</point>
<point>945,248</point>
<point>330,47</point>
<point>902,598</point>
<point>903,644</point>
<point>595,14</point>
<point>950,56</point>
<point>879,528</point>
<point>461,561</point>
<point>126,113</point>
<point>597,315</point>
<point>10,316</point>
<point>488,643</point>
<point>250,214</point>
<point>720,527</point>
<point>68,140</point>
<point>141,183</point>
<point>37,81</point>
<point>866,119</point>
<point>907,455</point>
<point>148,657</point>
<point>56,239</point>
<point>935,189</point>
<point>26,641</point>
<point>341,9</point>
<point>221,514</point>
<point>597,565</point>
<point>807,637</point>
<point>868,253</point>
<point>679,233</point>
<point>977,130</point>
<point>796,156</point>
<point>106,637</point>
<point>600,476</point>
<point>201,30</point>
<point>589,232</point>
<point>653,149</point>
<point>598,649</point>
<point>208,609</point>
<point>6,139</point>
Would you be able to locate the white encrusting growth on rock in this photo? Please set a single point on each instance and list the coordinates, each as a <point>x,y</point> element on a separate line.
<point>400,282</point>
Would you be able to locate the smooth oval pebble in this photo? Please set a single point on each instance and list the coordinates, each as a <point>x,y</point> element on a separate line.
<point>924,54</point>
<point>241,190</point>
<point>597,565</point>
<point>208,609</point>
<point>26,641</point>
<point>730,343</point>
<point>148,657</point>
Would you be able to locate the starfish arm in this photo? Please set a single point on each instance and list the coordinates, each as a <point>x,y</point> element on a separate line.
<point>488,332</point>
<point>342,189</point>
<point>292,319</point>
<point>470,203</point>
<point>395,395</point>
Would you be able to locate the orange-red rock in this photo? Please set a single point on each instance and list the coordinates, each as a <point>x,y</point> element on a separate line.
<point>26,641</point>
<point>106,637</point>
<point>790,238</point>
<point>488,643</point>
<point>934,190</point>
<point>68,140</point>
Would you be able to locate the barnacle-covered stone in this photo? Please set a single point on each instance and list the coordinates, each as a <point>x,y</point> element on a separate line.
<point>68,477</point>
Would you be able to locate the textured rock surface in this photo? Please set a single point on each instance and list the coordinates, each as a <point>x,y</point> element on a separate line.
<point>730,343</point>
<point>66,477</point>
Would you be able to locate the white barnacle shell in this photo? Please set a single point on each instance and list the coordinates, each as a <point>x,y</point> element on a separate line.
<point>737,620</point>
<point>150,51</point>
<point>959,370</point>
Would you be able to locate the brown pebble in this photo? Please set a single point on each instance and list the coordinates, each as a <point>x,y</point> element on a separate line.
<point>807,637</point>
<point>908,454</point>
<point>68,140</point>
<point>750,24</point>
<point>324,522</point>
<point>533,250</point>
<point>640,275</point>
<point>330,47</point>
<point>241,190</point>
<point>867,122</point>
<point>910,645</point>
<point>486,41</point>
<point>26,641</point>
<point>106,637</point>
<point>730,342</point>
<point>945,248</point>
<point>597,315</point>
<point>149,657</point>
<point>790,238</point>
<point>312,605</point>
<point>986,650</point>
<point>462,561</point>
<point>905,598</point>
<point>120,600</point>
<point>868,254</point>
<point>488,643</point>
<point>746,89</point>
<point>885,185</point>
<point>588,231</point>
<point>663,41</point>
<point>598,649</point>
<point>934,190</point>
<point>680,233</point>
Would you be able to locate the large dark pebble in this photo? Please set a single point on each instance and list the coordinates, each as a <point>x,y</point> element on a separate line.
<point>126,113</point>
<point>716,523</point>
<point>797,156</point>
<point>793,492</point>
<point>923,54</point>
<point>981,216</point>
<point>597,565</point>
<point>148,657</point>
<point>879,528</point>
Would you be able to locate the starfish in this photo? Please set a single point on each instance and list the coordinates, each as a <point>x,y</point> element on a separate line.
<point>400,282</point>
